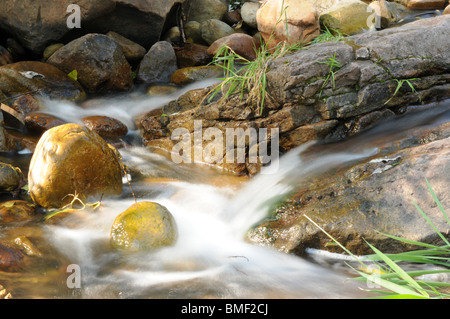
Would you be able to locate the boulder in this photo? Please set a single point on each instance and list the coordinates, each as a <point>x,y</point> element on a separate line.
<point>72,160</point>
<point>10,177</point>
<point>192,54</point>
<point>446,10</point>
<point>158,64</point>
<point>349,17</point>
<point>248,13</point>
<point>41,79</point>
<point>425,4</point>
<point>144,226</point>
<point>387,13</point>
<point>99,62</point>
<point>243,44</point>
<point>193,32</point>
<point>17,211</point>
<point>105,126</point>
<point>355,203</point>
<point>301,25</point>
<point>14,115</point>
<point>202,10</point>
<point>39,122</point>
<point>37,24</point>
<point>305,107</point>
<point>195,73</point>
<point>143,22</point>
<point>10,257</point>
<point>48,52</point>
<point>132,51</point>
<point>214,29</point>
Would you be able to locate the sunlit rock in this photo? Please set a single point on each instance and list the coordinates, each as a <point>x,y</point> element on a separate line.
<point>349,17</point>
<point>10,177</point>
<point>99,61</point>
<point>40,78</point>
<point>144,225</point>
<point>72,160</point>
<point>290,21</point>
<point>17,210</point>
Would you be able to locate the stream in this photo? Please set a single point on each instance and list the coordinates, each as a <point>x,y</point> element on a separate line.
<point>213,210</point>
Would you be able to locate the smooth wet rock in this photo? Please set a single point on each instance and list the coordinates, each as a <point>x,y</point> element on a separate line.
<point>195,73</point>
<point>107,127</point>
<point>387,13</point>
<point>48,52</point>
<point>17,211</point>
<point>99,62</point>
<point>446,10</point>
<point>38,122</point>
<point>144,226</point>
<point>193,32</point>
<point>302,22</point>
<point>173,35</point>
<point>10,257</point>
<point>10,177</point>
<point>202,10</point>
<point>232,18</point>
<point>214,29</point>
<point>192,54</point>
<point>142,22</point>
<point>14,116</point>
<point>349,17</point>
<point>19,109</point>
<point>243,44</point>
<point>158,64</point>
<point>40,78</point>
<point>425,4</point>
<point>132,51</point>
<point>156,90</point>
<point>248,13</point>
<point>26,104</point>
<point>72,160</point>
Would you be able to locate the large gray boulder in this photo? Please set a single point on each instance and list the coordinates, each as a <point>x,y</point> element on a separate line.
<point>366,200</point>
<point>305,106</point>
<point>99,61</point>
<point>38,23</point>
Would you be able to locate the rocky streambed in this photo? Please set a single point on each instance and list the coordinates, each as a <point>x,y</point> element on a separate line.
<point>90,114</point>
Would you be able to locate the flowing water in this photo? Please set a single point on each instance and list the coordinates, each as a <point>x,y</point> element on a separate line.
<point>212,209</point>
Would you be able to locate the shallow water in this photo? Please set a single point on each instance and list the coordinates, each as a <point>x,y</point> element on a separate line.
<point>212,209</point>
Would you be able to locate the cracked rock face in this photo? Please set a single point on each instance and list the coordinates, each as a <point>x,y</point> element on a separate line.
<point>354,203</point>
<point>373,76</point>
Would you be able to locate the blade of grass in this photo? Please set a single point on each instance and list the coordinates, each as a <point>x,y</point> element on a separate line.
<point>431,224</point>
<point>433,194</point>
<point>399,270</point>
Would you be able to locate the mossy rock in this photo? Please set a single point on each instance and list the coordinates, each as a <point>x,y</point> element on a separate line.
<point>144,226</point>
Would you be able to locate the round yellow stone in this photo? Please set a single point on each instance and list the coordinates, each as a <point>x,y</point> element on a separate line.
<point>144,226</point>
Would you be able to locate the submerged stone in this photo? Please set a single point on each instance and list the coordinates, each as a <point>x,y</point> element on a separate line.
<point>144,225</point>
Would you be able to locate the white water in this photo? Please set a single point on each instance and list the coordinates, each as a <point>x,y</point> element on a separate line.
<point>211,257</point>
